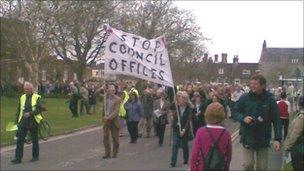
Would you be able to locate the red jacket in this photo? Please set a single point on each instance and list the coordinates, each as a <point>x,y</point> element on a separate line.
<point>283,108</point>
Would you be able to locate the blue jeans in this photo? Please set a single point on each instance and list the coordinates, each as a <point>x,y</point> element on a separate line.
<point>179,142</point>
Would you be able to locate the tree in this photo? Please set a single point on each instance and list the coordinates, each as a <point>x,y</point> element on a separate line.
<point>151,19</point>
<point>27,34</point>
<point>78,35</point>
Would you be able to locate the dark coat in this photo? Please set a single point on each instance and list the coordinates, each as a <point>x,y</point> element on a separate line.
<point>185,120</point>
<point>264,108</point>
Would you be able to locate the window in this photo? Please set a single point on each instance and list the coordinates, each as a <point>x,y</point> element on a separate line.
<point>65,75</point>
<point>96,73</point>
<point>43,75</point>
<point>246,72</point>
<point>221,70</point>
<point>294,61</point>
<point>75,76</point>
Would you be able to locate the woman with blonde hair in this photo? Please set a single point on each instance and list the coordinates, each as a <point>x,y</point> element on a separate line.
<point>181,126</point>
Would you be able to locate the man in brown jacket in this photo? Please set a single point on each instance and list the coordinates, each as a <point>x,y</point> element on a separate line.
<point>111,122</point>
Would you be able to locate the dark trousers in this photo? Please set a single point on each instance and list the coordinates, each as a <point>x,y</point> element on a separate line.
<point>84,104</point>
<point>285,124</point>
<point>73,107</point>
<point>179,142</point>
<point>297,161</point>
<point>160,129</point>
<point>133,130</point>
<point>22,132</point>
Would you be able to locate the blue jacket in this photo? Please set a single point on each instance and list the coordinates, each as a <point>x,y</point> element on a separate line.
<point>135,111</point>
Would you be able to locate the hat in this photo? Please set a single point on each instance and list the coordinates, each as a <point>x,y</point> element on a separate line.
<point>215,113</point>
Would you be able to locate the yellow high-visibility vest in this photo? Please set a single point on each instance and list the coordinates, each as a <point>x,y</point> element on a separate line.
<point>122,110</point>
<point>35,98</point>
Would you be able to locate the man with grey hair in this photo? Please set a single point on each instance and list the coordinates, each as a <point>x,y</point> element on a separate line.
<point>28,117</point>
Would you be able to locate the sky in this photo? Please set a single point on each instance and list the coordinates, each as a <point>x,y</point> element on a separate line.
<point>240,27</point>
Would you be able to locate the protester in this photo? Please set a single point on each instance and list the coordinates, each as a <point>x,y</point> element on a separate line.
<point>147,102</point>
<point>161,110</point>
<point>285,111</point>
<point>111,122</point>
<point>122,111</point>
<point>84,102</point>
<point>73,99</point>
<point>212,134</point>
<point>256,111</point>
<point>198,118</point>
<point>234,99</point>
<point>135,112</point>
<point>295,141</point>
<point>181,131</point>
<point>92,98</point>
<point>28,117</point>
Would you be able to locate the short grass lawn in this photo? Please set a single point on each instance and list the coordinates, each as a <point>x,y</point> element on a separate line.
<point>58,115</point>
<point>287,167</point>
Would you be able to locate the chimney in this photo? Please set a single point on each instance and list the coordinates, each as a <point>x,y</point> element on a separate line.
<point>205,55</point>
<point>224,57</point>
<point>215,58</point>
<point>236,59</point>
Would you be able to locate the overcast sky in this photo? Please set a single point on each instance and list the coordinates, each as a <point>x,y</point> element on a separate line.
<point>237,27</point>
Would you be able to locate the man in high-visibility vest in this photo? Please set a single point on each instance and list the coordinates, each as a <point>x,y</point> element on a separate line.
<point>28,117</point>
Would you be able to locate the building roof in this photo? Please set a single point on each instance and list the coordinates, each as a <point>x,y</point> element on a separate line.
<point>279,54</point>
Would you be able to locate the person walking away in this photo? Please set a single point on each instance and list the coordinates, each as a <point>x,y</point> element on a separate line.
<point>181,131</point>
<point>285,111</point>
<point>198,118</point>
<point>147,102</point>
<point>92,98</point>
<point>28,117</point>
<point>295,141</point>
<point>135,112</point>
<point>257,111</point>
<point>213,135</point>
<point>161,110</point>
<point>84,102</point>
<point>111,122</point>
<point>73,100</point>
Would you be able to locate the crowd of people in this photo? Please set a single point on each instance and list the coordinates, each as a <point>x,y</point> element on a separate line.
<point>195,112</point>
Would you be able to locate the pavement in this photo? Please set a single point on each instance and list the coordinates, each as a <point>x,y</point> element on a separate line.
<point>84,150</point>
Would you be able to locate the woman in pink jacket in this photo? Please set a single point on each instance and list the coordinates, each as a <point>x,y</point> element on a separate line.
<point>206,136</point>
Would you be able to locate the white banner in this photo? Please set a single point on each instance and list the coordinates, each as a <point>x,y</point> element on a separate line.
<point>129,54</point>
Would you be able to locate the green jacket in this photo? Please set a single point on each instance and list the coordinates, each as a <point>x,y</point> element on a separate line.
<point>264,109</point>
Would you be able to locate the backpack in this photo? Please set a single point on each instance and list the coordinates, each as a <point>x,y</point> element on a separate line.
<point>214,160</point>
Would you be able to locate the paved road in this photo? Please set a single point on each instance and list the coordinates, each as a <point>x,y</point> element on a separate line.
<point>84,150</point>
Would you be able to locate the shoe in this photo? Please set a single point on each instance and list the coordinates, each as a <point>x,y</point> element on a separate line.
<point>139,135</point>
<point>34,159</point>
<point>106,157</point>
<point>114,156</point>
<point>172,164</point>
<point>185,162</point>
<point>160,145</point>
<point>16,161</point>
<point>120,135</point>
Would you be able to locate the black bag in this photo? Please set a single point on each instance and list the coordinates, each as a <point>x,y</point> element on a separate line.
<point>214,159</point>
